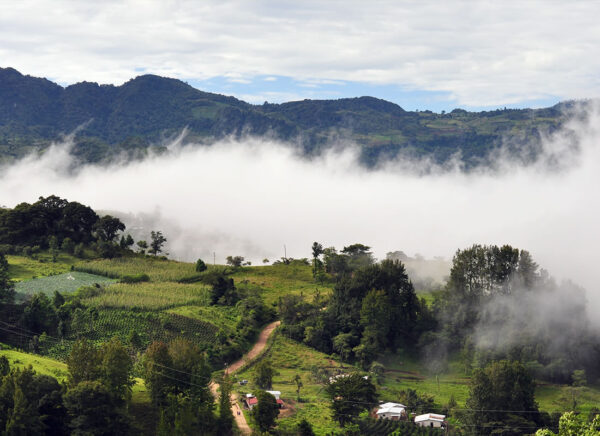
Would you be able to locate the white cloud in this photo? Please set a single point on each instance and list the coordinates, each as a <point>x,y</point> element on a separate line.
<point>483,53</point>
<point>251,197</point>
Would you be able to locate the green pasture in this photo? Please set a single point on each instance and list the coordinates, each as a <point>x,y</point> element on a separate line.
<point>25,268</point>
<point>275,281</point>
<point>290,358</point>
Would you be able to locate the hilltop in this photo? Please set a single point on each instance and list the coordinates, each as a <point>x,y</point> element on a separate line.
<point>150,110</point>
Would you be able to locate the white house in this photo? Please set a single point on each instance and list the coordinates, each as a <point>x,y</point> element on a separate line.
<point>430,420</point>
<point>393,411</point>
<point>276,394</point>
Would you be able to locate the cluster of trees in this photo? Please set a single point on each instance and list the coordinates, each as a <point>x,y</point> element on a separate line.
<point>499,305</point>
<point>373,307</point>
<point>178,376</point>
<point>93,401</point>
<point>55,223</point>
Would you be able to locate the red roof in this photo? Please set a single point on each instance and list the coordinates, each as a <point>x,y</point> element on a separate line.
<point>252,400</point>
<point>279,401</point>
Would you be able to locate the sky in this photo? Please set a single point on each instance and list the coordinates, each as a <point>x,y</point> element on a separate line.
<point>425,55</point>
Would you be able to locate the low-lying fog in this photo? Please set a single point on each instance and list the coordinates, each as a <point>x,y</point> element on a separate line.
<point>251,197</point>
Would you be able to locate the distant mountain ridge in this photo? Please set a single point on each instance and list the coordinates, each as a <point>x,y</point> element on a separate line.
<point>149,109</point>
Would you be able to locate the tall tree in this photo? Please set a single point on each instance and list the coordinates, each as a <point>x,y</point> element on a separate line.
<point>266,411</point>
<point>158,240</point>
<point>107,228</point>
<point>116,369</point>
<point>349,396</point>
<point>83,362</point>
<point>7,291</point>
<point>501,386</point>
<point>263,374</point>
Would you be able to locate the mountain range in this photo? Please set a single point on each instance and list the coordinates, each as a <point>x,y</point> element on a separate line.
<point>149,111</point>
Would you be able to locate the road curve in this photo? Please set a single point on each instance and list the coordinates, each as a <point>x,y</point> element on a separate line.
<point>256,349</point>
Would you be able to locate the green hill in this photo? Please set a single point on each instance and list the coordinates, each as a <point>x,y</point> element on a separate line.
<point>148,109</point>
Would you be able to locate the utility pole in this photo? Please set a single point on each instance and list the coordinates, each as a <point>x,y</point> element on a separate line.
<point>214,258</point>
<point>284,252</point>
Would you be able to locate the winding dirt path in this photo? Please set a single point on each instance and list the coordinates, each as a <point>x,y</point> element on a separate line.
<point>238,414</point>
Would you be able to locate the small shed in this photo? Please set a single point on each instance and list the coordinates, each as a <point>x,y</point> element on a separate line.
<point>430,420</point>
<point>393,411</point>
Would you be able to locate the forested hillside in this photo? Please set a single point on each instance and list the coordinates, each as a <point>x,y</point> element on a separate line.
<point>149,110</point>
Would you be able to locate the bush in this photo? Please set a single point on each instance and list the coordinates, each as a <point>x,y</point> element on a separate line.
<point>137,278</point>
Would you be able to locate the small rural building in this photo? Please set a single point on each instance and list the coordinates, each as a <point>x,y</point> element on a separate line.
<point>252,401</point>
<point>430,420</point>
<point>393,411</point>
<point>276,394</point>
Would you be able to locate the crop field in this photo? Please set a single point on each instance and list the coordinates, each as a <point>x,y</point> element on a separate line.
<point>150,296</point>
<point>158,270</point>
<point>66,282</point>
<point>225,318</point>
<point>278,280</point>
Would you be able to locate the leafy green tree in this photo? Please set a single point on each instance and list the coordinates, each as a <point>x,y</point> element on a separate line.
<point>84,362</point>
<point>343,344</point>
<point>298,381</point>
<point>317,250</point>
<point>305,429</point>
<point>266,411</point>
<point>200,266</point>
<point>502,385</point>
<point>235,261</point>
<point>142,247</point>
<point>158,240</point>
<point>116,369</point>
<point>23,418</point>
<point>225,420</point>
<point>579,378</point>
<point>39,315</point>
<point>94,410</point>
<point>7,291</point>
<point>263,374</point>
<point>571,424</point>
<point>79,250</point>
<point>107,227</point>
<point>349,396</point>
<point>157,363</point>
<point>4,366</point>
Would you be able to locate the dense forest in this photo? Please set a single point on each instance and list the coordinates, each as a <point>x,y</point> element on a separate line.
<point>149,111</point>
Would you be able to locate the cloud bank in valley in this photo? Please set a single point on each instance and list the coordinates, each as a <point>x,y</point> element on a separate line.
<point>251,197</point>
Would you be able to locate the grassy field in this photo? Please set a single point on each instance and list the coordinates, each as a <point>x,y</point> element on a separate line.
<point>24,268</point>
<point>275,281</point>
<point>291,358</point>
<point>42,365</point>
<point>65,282</point>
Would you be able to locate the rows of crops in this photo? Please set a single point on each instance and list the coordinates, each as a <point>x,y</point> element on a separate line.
<point>159,270</point>
<point>66,282</point>
<point>150,296</point>
<point>148,327</point>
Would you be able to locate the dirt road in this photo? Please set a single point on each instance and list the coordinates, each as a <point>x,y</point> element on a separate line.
<point>238,414</point>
